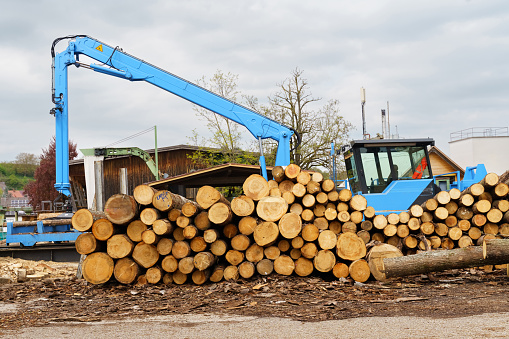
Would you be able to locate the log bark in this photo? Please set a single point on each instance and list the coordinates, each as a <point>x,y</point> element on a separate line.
<point>256,187</point>
<point>83,219</point>
<point>435,261</point>
<point>120,209</point>
<point>375,256</point>
<point>97,268</point>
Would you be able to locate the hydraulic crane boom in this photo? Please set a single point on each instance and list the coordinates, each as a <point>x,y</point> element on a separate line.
<point>117,63</point>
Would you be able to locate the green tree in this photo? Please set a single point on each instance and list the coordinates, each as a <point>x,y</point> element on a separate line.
<point>292,106</point>
<point>26,163</point>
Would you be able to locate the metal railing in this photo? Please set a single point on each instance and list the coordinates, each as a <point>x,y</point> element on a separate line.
<point>479,132</point>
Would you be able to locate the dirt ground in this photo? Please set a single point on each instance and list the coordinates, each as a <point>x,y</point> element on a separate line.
<point>53,295</point>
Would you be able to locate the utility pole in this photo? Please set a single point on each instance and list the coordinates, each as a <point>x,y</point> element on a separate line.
<point>363,102</point>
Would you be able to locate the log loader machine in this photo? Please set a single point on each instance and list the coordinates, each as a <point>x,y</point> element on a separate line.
<point>394,174</point>
<point>115,62</point>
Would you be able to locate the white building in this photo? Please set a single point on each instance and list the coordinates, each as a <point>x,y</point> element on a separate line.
<point>481,145</point>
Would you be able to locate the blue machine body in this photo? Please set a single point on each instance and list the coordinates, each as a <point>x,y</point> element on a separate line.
<point>30,235</point>
<point>393,174</point>
<point>117,63</point>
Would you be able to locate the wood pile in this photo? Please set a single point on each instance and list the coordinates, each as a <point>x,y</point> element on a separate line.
<point>297,223</point>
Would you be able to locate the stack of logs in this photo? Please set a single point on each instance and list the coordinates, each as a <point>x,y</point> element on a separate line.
<point>296,223</point>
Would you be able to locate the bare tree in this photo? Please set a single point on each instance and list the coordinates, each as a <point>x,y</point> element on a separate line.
<point>292,106</point>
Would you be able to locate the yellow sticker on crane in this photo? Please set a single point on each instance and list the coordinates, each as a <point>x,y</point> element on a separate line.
<point>99,48</point>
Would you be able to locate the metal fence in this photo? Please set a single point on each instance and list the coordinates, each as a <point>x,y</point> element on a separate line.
<point>480,132</point>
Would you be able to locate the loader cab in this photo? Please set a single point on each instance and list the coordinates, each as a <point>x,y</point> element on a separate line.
<point>372,165</point>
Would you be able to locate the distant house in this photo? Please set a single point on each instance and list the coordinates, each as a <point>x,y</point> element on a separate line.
<point>444,166</point>
<point>17,199</point>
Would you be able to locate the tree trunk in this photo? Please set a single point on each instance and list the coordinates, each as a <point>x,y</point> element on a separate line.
<point>247,269</point>
<point>149,215</point>
<point>162,227</point>
<point>271,208</point>
<point>103,229</point>
<point>135,229</point>
<point>145,255</point>
<point>86,243</point>
<point>165,201</point>
<point>143,194</point>
<point>284,265</point>
<point>256,187</point>
<point>190,209</point>
<point>120,209</point>
<point>164,246</point>
<point>303,267</point>
<point>350,246</point>
<point>242,206</point>
<point>265,267</point>
<point>119,246</point>
<point>83,219</point>
<point>359,270</point>
<point>220,213</point>
<point>435,261</point>
<point>97,268</point>
<point>154,275</point>
<point>169,264</point>
<point>324,261</point>
<point>126,271</point>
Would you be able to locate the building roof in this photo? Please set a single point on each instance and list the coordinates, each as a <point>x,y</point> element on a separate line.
<point>442,155</point>
<point>221,175</point>
<point>17,194</point>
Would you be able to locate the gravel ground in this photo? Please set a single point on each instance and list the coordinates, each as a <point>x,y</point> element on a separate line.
<point>231,326</point>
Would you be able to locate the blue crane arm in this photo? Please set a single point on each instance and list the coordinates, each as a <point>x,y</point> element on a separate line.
<point>117,63</point>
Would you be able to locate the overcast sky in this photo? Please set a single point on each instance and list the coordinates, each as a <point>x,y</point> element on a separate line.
<point>443,66</point>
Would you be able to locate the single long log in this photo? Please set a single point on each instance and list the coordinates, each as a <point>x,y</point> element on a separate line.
<point>435,261</point>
